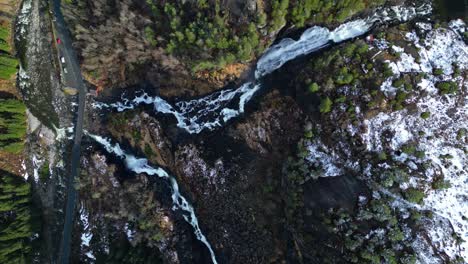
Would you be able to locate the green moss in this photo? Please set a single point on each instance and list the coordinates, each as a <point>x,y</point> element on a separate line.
<point>4,38</point>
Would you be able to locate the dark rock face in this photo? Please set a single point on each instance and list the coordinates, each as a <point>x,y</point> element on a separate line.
<point>133,214</point>
<point>278,124</point>
<point>227,186</point>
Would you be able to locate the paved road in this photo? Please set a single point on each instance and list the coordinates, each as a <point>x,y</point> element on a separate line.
<point>72,79</point>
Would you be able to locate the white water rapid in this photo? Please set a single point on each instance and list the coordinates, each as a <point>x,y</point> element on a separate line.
<point>217,108</point>
<point>140,165</point>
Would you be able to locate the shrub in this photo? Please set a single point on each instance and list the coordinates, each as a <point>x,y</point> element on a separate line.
<point>345,78</point>
<point>447,87</point>
<point>382,156</point>
<point>314,87</point>
<point>438,72</point>
<point>396,234</point>
<point>278,14</point>
<point>425,115</point>
<point>461,133</point>
<point>325,105</point>
<point>150,36</point>
<point>414,195</point>
<point>408,149</point>
<point>398,82</point>
<point>440,183</point>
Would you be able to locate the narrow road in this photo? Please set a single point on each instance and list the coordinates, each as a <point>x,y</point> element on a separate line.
<point>71,79</point>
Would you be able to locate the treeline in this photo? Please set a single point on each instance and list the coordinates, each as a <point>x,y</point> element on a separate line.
<point>16,220</point>
<point>12,125</point>
<point>207,34</point>
<point>126,36</point>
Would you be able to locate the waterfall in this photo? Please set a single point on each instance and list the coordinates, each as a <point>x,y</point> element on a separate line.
<point>141,165</point>
<point>216,109</point>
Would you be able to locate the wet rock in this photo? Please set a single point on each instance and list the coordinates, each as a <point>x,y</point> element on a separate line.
<point>278,123</point>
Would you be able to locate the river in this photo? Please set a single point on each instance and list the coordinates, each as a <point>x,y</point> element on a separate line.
<point>216,109</point>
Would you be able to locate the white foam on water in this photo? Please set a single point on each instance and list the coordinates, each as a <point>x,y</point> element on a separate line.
<point>37,163</point>
<point>316,38</point>
<point>212,110</point>
<point>195,115</point>
<point>140,165</point>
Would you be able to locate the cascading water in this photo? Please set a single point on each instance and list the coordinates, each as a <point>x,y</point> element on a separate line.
<point>140,165</point>
<point>219,107</point>
<point>215,109</point>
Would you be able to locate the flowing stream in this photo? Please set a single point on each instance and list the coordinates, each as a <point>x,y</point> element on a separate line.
<point>216,109</point>
<point>140,165</point>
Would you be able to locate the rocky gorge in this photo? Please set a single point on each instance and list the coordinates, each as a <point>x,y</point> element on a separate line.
<point>343,142</point>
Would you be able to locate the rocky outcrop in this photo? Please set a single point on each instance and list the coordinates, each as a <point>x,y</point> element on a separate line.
<point>277,124</point>
<point>226,177</point>
<point>122,211</point>
<point>145,134</point>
